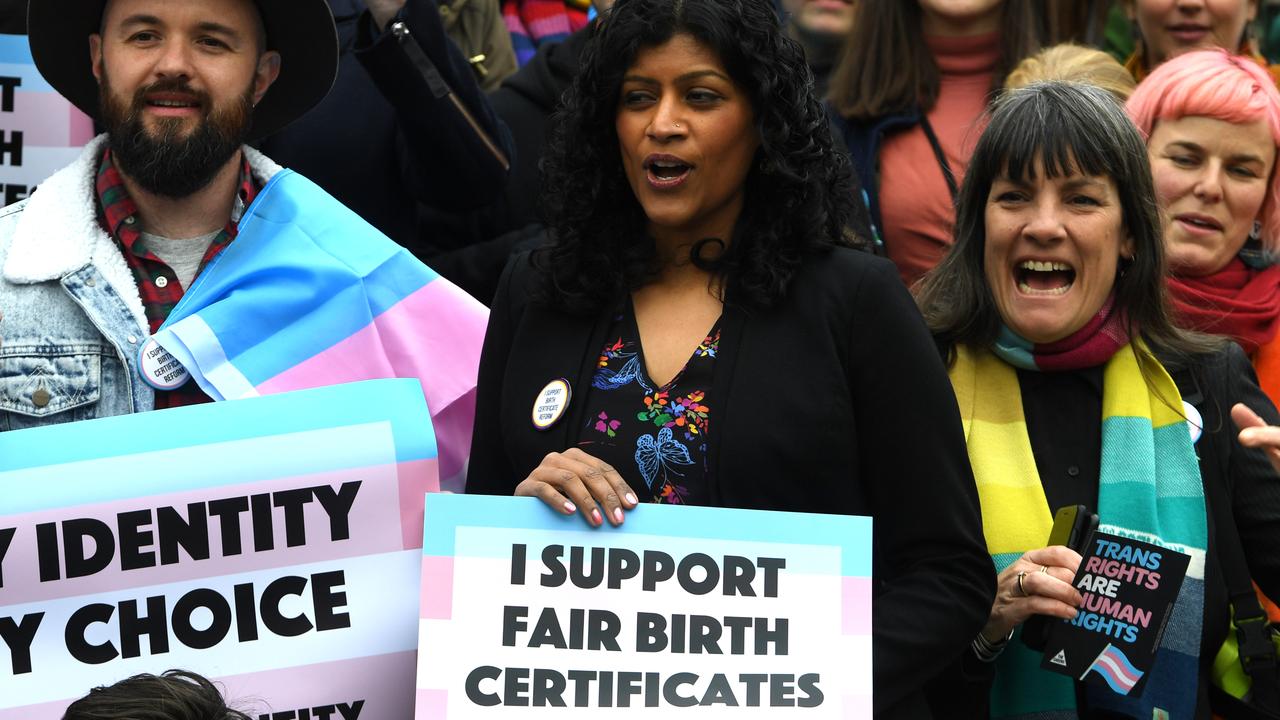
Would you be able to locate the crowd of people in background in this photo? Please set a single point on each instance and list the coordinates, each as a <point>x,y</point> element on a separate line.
<point>949,264</point>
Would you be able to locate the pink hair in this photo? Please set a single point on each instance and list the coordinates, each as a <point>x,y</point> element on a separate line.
<point>1215,84</point>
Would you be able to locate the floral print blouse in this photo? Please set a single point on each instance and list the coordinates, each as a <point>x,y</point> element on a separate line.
<point>657,435</point>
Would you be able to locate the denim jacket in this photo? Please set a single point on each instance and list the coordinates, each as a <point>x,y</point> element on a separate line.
<point>71,317</point>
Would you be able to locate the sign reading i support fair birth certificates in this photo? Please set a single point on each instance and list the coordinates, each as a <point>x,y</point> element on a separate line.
<point>270,543</point>
<point>700,611</point>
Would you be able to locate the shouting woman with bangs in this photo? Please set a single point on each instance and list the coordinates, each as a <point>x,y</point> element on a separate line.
<point>720,341</point>
<point>1077,388</point>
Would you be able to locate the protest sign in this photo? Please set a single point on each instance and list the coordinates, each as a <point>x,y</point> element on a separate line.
<point>271,543</point>
<point>1129,589</point>
<point>40,131</point>
<point>736,613</point>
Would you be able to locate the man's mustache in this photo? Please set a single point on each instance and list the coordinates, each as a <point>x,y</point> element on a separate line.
<point>168,85</point>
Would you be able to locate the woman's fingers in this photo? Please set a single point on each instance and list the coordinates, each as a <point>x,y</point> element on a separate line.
<point>574,481</point>
<point>1053,556</point>
<point>547,493</point>
<point>1040,605</point>
<point>1038,583</point>
<point>1256,433</point>
<point>603,470</point>
<point>1053,584</point>
<point>1245,417</point>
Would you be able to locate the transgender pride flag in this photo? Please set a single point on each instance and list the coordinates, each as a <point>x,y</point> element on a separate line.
<point>1116,669</point>
<point>310,294</point>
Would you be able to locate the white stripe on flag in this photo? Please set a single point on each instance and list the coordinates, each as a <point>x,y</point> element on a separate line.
<point>195,345</point>
<point>1121,675</point>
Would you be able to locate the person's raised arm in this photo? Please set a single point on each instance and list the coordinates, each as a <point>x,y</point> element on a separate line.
<point>456,150</point>
<point>1254,468</point>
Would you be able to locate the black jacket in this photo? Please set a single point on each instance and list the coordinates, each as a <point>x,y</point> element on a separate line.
<point>389,139</point>
<point>835,401</point>
<point>525,102</point>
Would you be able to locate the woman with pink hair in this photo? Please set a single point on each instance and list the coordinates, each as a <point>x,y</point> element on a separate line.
<point>1212,122</point>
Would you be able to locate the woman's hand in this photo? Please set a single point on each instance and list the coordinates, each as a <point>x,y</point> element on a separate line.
<point>573,481</point>
<point>1038,583</point>
<point>1256,433</point>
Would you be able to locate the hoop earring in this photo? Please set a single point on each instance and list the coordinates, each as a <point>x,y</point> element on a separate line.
<point>1124,265</point>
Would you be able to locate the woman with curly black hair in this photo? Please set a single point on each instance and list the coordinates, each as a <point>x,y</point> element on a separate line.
<point>700,330</point>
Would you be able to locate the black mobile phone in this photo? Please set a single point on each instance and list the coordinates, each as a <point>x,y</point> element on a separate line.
<point>1073,526</point>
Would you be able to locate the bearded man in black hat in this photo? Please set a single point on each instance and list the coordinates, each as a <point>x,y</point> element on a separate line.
<point>93,261</point>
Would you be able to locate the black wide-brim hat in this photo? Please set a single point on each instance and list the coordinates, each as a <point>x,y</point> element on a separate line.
<point>302,31</point>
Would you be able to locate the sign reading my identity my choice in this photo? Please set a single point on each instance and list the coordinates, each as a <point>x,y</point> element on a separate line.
<point>271,543</point>
<point>727,613</point>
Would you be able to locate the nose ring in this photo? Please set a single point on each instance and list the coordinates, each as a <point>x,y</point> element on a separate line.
<point>677,125</point>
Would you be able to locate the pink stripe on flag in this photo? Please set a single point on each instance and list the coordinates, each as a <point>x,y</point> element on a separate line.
<point>43,118</point>
<point>436,602</point>
<point>417,478</point>
<point>435,335</point>
<point>432,705</point>
<point>370,533</point>
<point>454,426</point>
<point>857,606</point>
<point>42,711</point>
<point>81,128</point>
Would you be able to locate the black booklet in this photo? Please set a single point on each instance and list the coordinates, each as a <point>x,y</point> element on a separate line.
<point>1129,588</point>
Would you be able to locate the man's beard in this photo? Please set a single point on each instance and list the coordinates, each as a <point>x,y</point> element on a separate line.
<point>167,163</point>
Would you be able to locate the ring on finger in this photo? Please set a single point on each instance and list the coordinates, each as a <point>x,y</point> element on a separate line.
<point>1022,576</point>
<point>1044,569</point>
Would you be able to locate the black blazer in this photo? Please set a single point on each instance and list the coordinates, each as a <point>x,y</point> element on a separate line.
<point>834,401</point>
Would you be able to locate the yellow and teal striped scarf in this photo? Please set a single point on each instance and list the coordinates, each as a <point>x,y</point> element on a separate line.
<point>1149,489</point>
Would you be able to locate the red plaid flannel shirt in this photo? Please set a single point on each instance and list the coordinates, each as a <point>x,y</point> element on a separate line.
<point>157,283</point>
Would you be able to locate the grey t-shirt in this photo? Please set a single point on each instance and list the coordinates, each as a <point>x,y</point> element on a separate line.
<point>181,254</point>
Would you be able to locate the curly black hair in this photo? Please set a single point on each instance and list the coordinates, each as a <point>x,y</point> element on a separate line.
<point>799,194</point>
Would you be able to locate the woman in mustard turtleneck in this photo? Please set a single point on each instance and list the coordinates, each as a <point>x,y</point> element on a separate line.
<point>909,97</point>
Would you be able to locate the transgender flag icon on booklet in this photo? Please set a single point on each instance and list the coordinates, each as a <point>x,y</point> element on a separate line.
<point>1116,669</point>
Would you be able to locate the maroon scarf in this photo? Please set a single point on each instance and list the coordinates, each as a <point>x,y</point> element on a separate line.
<point>1237,301</point>
<point>1090,346</point>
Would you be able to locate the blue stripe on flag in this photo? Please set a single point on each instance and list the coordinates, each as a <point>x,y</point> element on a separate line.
<point>452,511</point>
<point>201,467</point>
<point>14,50</point>
<point>32,82</point>
<point>361,403</point>
<point>295,253</point>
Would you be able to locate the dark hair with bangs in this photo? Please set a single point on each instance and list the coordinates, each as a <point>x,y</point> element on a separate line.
<point>799,193</point>
<point>1068,128</point>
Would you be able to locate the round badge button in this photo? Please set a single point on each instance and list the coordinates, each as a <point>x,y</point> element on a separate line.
<point>551,403</point>
<point>159,368</point>
<point>1195,422</point>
